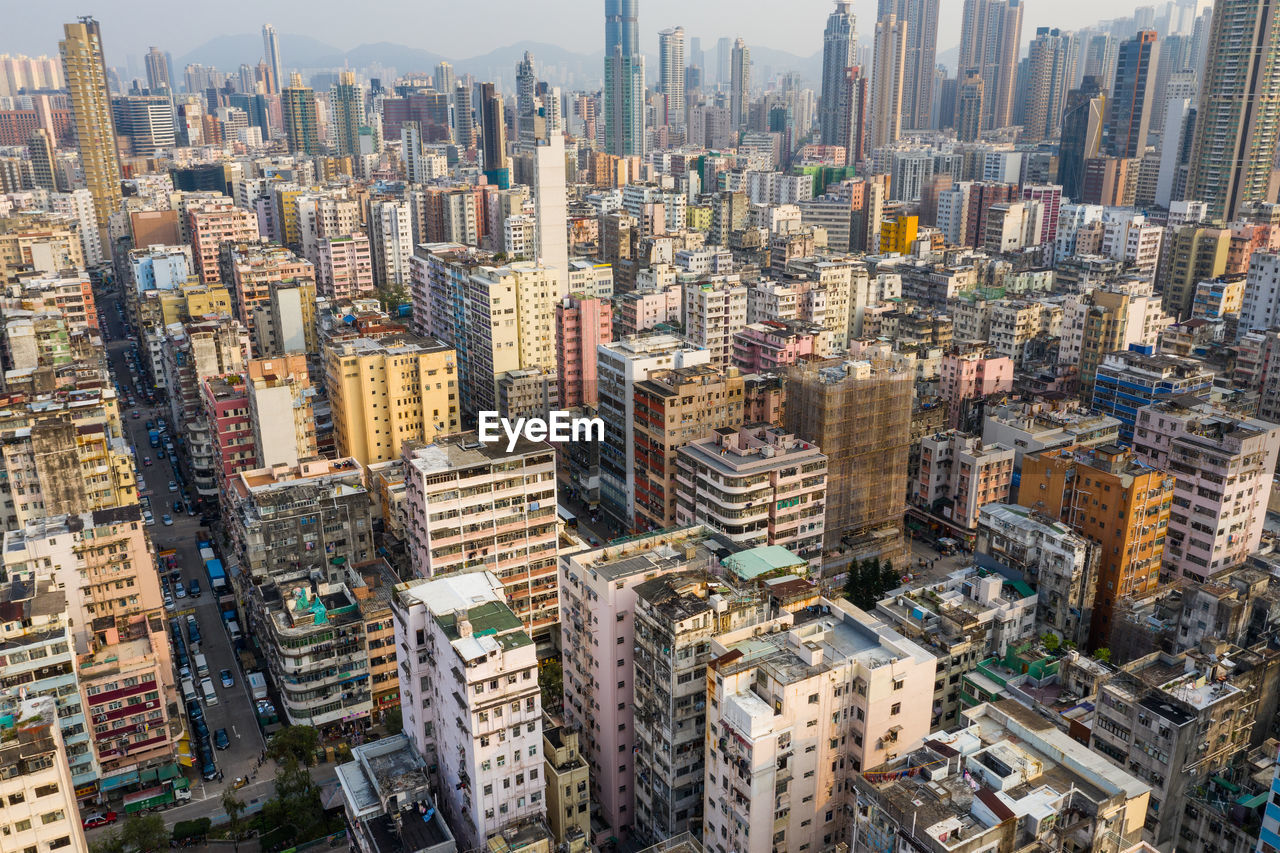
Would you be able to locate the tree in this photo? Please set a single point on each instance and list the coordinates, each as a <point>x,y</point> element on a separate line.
<point>234,808</point>
<point>297,742</point>
<point>1103,654</point>
<point>393,720</point>
<point>145,833</point>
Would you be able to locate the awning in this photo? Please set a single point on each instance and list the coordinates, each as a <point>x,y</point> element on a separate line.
<point>112,782</point>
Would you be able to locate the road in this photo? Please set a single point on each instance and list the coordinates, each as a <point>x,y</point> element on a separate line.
<point>234,709</point>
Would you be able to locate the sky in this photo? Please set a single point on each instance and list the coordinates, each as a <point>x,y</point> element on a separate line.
<point>470,27</point>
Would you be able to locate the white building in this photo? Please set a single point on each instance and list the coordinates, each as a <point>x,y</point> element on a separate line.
<point>470,700</point>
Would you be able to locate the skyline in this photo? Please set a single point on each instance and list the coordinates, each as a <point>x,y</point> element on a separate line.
<point>129,30</point>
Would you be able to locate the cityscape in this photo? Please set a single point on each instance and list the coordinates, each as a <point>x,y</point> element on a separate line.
<point>663,444</point>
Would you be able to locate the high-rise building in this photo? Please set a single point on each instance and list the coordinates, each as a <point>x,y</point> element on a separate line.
<point>671,70</point>
<point>271,53</point>
<point>85,69</point>
<point>858,413</point>
<point>740,85</point>
<point>494,136</point>
<point>146,121</point>
<point>969,106</point>
<point>1050,73</point>
<point>839,53</point>
<point>921,20</point>
<point>990,41</point>
<point>886,80</point>
<point>1238,111</point>
<point>508,498</point>
<point>301,123</point>
<point>467,658</point>
<point>1132,97</point>
<point>623,79</point>
<point>346,114</point>
<point>384,392</point>
<point>1082,123</point>
<point>159,72</point>
<point>1128,526</point>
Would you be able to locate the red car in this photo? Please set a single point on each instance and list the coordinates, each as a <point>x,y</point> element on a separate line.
<point>94,821</point>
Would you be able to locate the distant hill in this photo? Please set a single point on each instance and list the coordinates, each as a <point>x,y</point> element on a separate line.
<point>556,65</point>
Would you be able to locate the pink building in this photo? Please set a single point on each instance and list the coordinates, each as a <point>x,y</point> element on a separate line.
<point>226,406</point>
<point>776,343</point>
<point>959,475</point>
<point>581,325</point>
<point>344,268</point>
<point>971,376</point>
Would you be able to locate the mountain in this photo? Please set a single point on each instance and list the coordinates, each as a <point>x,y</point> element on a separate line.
<point>227,52</point>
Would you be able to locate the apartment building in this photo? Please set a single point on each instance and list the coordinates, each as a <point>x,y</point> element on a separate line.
<point>1112,498</point>
<point>35,782</point>
<point>795,717</point>
<point>1061,564</point>
<point>755,486</point>
<point>966,788</point>
<point>959,475</point>
<point>471,702</point>
<point>712,310</point>
<point>1222,466</point>
<point>104,563</point>
<point>676,617</point>
<point>388,390</point>
<point>622,365</point>
<point>674,407</point>
<point>598,642</point>
<point>472,506</point>
<point>288,523</point>
<point>568,788</point>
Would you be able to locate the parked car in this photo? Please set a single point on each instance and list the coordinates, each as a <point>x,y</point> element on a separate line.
<point>93,821</point>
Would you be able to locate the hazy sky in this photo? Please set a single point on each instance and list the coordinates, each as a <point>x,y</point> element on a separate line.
<point>472,27</point>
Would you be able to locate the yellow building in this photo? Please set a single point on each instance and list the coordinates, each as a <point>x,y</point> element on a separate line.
<point>385,392</point>
<point>897,234</point>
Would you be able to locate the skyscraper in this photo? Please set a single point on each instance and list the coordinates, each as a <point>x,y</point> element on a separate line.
<point>346,114</point>
<point>301,126</point>
<point>1132,97</point>
<point>921,19</point>
<point>671,66</point>
<point>1238,112</point>
<point>839,51</point>
<point>494,140</point>
<point>886,80</point>
<point>990,40</point>
<point>1081,135</point>
<point>1051,62</point>
<point>159,72</point>
<point>623,79</point>
<point>969,100</point>
<point>85,70</point>
<point>271,53</point>
<point>740,84</point>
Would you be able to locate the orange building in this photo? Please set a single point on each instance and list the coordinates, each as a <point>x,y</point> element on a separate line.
<point>1106,495</point>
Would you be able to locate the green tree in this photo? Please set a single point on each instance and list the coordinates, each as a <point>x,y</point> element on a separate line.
<point>551,683</point>
<point>393,720</point>
<point>1051,642</point>
<point>297,742</point>
<point>110,842</point>
<point>1103,654</point>
<point>234,808</point>
<point>145,833</point>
